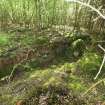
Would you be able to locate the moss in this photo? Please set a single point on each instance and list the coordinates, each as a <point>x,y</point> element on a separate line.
<point>7,71</point>
<point>54,81</point>
<point>78,47</point>
<point>77,86</point>
<point>4,39</point>
<point>6,99</point>
<point>39,81</point>
<point>89,64</point>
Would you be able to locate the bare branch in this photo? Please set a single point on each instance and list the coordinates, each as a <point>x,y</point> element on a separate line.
<point>102,62</point>
<point>89,6</point>
<point>100,68</point>
<point>92,87</point>
<point>101,48</point>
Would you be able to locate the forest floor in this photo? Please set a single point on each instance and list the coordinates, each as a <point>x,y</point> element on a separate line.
<point>42,69</point>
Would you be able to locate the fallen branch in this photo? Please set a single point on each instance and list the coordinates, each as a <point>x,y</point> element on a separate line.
<point>101,48</point>
<point>18,64</point>
<point>100,68</point>
<point>93,86</point>
<point>102,16</point>
<point>102,62</point>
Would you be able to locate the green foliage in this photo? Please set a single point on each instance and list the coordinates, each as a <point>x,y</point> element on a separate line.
<point>41,40</point>
<point>51,69</point>
<point>77,86</point>
<point>5,71</point>
<point>75,83</point>
<point>4,40</point>
<point>79,35</point>
<point>79,46</point>
<point>6,99</point>
<point>89,63</point>
<point>79,42</point>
